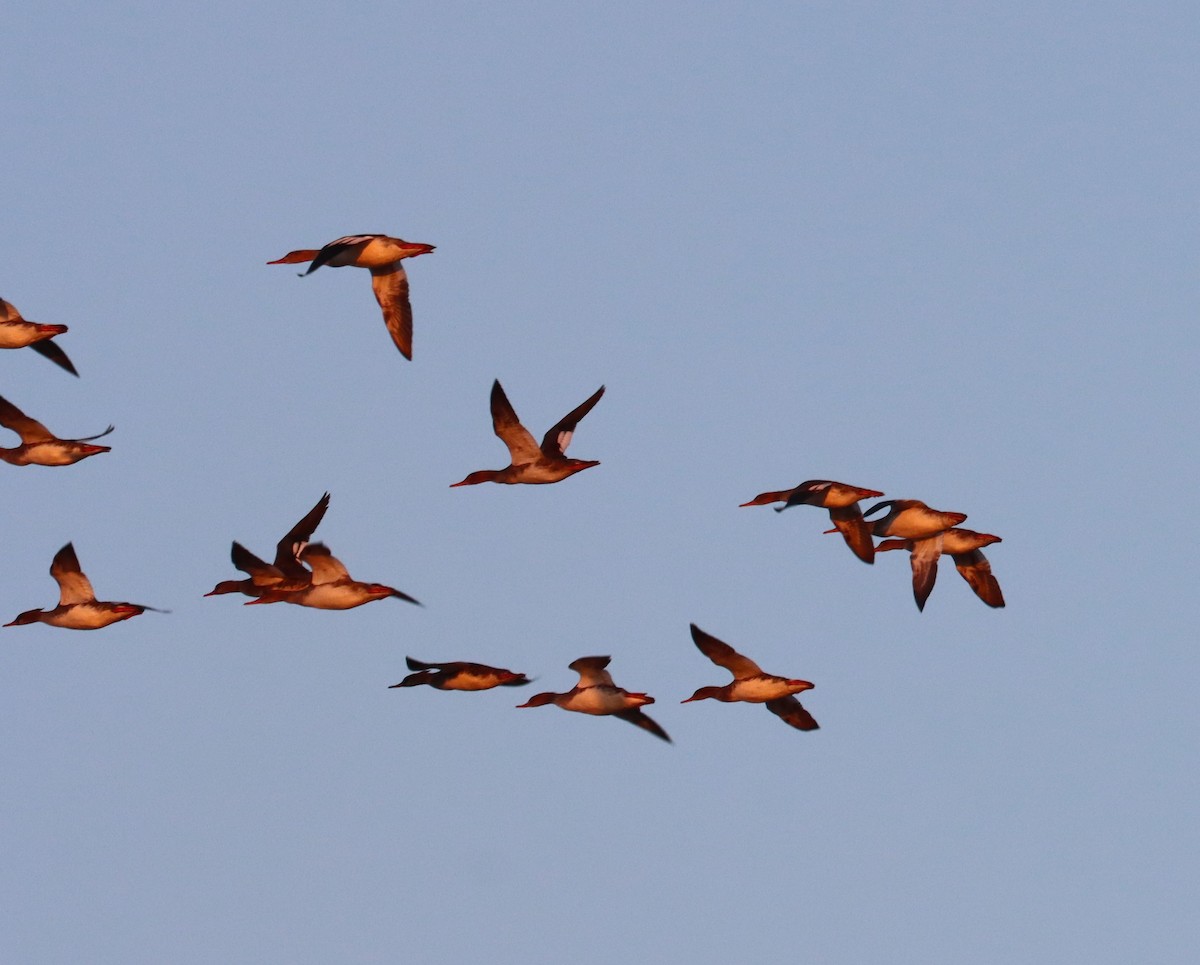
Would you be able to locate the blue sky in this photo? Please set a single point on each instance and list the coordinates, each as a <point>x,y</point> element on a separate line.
<point>946,252</point>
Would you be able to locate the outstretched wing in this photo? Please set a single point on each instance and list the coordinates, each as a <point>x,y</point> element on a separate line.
<point>723,655</point>
<point>288,549</point>
<point>556,440</point>
<point>792,712</point>
<point>98,435</point>
<point>635,716</point>
<point>521,447</point>
<point>591,671</point>
<point>47,348</point>
<point>326,568</point>
<point>30,430</point>
<point>391,291</point>
<point>977,571</point>
<point>855,531</point>
<point>73,586</point>
<point>924,560</point>
<point>261,572</point>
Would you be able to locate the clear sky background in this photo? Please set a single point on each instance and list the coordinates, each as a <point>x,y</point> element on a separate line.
<point>946,251</point>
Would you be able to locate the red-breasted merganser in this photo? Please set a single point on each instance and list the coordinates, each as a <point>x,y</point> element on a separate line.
<point>842,502</point>
<point>459,675</point>
<point>331,588</point>
<point>531,463</point>
<point>287,573</point>
<point>964,546</point>
<point>597,694</point>
<point>17,332</point>
<point>912,520</point>
<point>384,256</point>
<point>78,608</point>
<point>41,447</point>
<point>751,684</point>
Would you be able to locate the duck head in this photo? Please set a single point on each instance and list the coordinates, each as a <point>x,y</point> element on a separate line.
<point>540,700</point>
<point>29,616</point>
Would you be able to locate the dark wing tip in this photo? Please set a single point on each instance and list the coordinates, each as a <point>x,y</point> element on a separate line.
<point>48,349</point>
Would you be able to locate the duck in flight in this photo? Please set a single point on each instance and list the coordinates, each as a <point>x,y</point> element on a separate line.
<point>17,332</point>
<point>531,463</point>
<point>384,256</point>
<point>750,684</point>
<point>965,547</point>
<point>459,675</point>
<point>287,573</point>
<point>78,608</point>
<point>597,694</point>
<point>331,586</point>
<point>41,447</point>
<point>842,502</point>
<point>923,529</point>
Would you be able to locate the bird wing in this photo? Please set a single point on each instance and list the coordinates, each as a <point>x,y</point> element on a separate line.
<point>723,655</point>
<point>591,671</point>
<point>288,549</point>
<point>261,572</point>
<point>47,348</point>
<point>73,586</point>
<point>812,493</point>
<point>977,571</point>
<point>924,560</point>
<point>506,425</point>
<point>391,291</point>
<point>30,430</point>
<point>416,679</point>
<point>335,248</point>
<point>556,440</point>
<point>98,435</point>
<point>635,716</point>
<point>792,712</point>
<point>855,531</point>
<point>9,313</point>
<point>326,568</point>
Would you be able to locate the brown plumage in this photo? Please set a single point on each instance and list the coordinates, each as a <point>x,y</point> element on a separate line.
<point>384,256</point>
<point>750,684</point>
<point>912,520</point>
<point>459,675</point>
<point>964,547</point>
<point>840,499</point>
<point>531,463</point>
<point>18,332</point>
<point>41,447</point>
<point>287,573</point>
<point>78,608</point>
<point>597,694</point>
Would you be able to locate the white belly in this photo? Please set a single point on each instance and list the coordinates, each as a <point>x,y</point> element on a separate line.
<point>49,454</point>
<point>600,700</point>
<point>85,618</point>
<point>330,596</point>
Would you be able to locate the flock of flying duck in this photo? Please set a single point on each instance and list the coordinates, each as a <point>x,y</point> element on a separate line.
<point>307,574</point>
